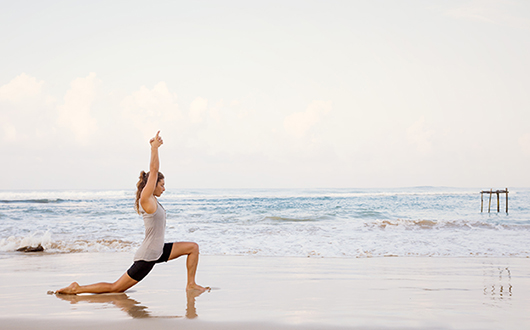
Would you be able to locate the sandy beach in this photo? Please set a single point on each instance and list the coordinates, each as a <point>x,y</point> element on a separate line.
<point>266,292</point>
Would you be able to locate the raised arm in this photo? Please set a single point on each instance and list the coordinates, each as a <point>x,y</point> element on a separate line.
<point>147,199</point>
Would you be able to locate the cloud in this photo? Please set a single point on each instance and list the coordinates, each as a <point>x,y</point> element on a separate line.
<point>21,88</point>
<point>419,135</point>
<point>493,12</point>
<point>27,113</point>
<point>475,12</point>
<point>197,110</point>
<point>151,110</point>
<point>299,123</point>
<point>75,114</point>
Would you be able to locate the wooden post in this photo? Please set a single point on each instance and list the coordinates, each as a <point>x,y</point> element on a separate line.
<point>489,205</point>
<point>491,192</point>
<point>506,200</point>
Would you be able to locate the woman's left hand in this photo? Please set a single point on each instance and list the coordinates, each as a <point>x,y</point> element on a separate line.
<point>156,141</point>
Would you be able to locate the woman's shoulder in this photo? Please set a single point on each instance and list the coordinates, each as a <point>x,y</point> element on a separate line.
<point>149,206</point>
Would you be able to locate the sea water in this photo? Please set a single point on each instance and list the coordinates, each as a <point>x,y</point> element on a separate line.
<point>329,223</point>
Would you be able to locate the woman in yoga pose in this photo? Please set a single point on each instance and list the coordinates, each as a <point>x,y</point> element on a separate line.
<point>153,249</point>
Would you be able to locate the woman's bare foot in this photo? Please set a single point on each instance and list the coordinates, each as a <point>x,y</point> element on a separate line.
<point>71,289</point>
<point>197,287</point>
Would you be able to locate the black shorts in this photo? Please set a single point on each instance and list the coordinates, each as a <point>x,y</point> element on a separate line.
<point>141,268</point>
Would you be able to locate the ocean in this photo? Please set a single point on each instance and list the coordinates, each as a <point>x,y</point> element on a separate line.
<point>321,223</point>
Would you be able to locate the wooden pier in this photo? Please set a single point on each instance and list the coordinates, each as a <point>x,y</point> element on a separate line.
<point>491,192</point>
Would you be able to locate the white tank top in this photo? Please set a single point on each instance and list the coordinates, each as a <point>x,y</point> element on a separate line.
<point>155,227</point>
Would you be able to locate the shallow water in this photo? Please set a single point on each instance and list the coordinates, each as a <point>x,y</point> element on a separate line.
<point>418,221</point>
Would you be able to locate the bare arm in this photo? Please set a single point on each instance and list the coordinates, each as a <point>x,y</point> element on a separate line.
<point>147,199</point>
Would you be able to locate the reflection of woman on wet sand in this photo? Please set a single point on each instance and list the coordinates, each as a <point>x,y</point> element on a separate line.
<point>120,300</point>
<point>153,250</point>
<point>131,306</point>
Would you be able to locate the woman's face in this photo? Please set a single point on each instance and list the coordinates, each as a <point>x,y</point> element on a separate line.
<point>160,188</point>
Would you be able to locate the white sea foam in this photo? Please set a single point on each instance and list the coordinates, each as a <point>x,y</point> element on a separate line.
<point>312,239</point>
<point>400,239</point>
<point>51,245</point>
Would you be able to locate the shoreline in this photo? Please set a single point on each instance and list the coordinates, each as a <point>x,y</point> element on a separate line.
<point>270,292</point>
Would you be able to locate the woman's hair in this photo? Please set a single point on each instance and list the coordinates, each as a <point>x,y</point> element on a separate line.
<point>141,185</point>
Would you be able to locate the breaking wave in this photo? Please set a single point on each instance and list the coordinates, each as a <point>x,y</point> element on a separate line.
<point>444,224</point>
<point>50,245</point>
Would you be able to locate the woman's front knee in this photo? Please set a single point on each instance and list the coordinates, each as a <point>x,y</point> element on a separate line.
<point>194,247</point>
<point>184,248</point>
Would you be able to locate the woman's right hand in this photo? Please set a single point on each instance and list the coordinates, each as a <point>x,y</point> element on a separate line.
<point>156,141</point>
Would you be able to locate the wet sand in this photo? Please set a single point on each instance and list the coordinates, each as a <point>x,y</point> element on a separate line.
<point>266,293</point>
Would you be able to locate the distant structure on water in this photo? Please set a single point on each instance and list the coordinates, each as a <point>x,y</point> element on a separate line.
<point>491,192</point>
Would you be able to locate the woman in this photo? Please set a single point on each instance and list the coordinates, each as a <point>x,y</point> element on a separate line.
<point>153,250</point>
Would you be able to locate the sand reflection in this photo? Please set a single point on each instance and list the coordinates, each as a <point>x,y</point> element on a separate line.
<point>498,286</point>
<point>132,307</point>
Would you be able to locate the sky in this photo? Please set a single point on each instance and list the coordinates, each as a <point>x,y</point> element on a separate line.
<point>265,94</point>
